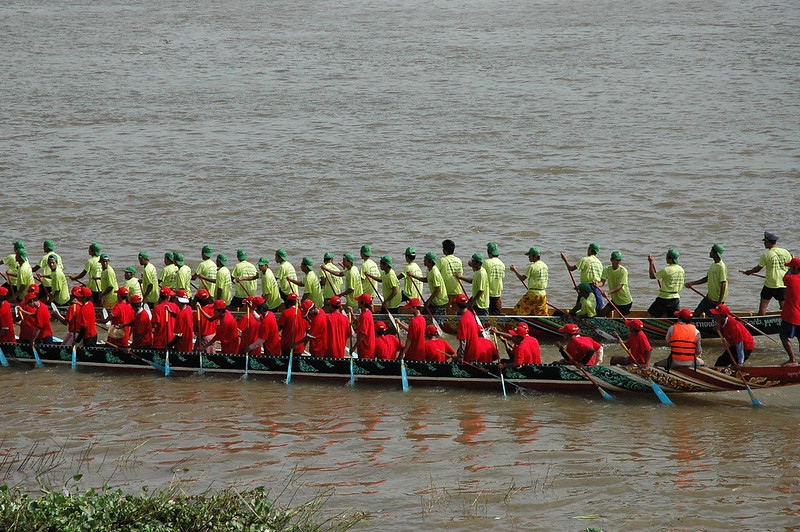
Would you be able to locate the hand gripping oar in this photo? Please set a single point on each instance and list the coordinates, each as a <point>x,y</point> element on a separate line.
<point>737,318</point>
<point>754,274</point>
<point>403,374</point>
<point>753,397</point>
<point>656,388</point>
<point>602,333</point>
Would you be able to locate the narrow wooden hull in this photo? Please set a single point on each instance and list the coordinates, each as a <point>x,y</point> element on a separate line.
<point>542,378</point>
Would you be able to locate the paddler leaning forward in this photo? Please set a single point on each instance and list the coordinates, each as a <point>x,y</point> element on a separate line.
<point>684,343</point>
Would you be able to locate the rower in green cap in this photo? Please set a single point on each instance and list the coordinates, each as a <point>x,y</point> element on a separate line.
<point>534,302</point>
<point>24,279</point>
<point>587,306</point>
<point>331,284</point>
<point>411,286</point>
<point>244,275</point>
<point>183,281</point>
<point>48,248</point>
<point>59,290</point>
<point>108,282</point>
<point>149,282</point>
<point>311,288</point>
<point>368,267</point>
<point>618,289</point>
<point>11,262</point>
<point>670,280</point>
<point>591,271</point>
<point>224,286</point>
<point>131,282</point>
<point>390,286</point>
<point>449,265</point>
<point>284,273</point>
<point>497,272</point>
<point>717,279</point>
<point>479,302</point>
<point>437,301</point>
<point>93,269</point>
<point>206,271</point>
<point>169,274</point>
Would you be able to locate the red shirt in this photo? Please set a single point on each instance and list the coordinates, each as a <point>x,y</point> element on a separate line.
<point>227,333</point>
<point>638,345</point>
<point>142,326</point>
<point>527,352</point>
<point>43,318</point>
<point>437,349</point>
<point>268,331</point>
<point>204,326</point>
<point>415,341</point>
<point>366,329</point>
<point>163,325</point>
<point>249,326</point>
<point>338,332</point>
<point>578,346</point>
<point>791,305</point>
<point>73,318</point>
<point>88,319</point>
<point>183,326</point>
<point>387,346</point>
<point>469,330</point>
<point>318,347</point>
<point>293,328</point>
<point>734,333</point>
<point>486,350</point>
<point>123,313</point>
<point>7,320</point>
<point>29,322</point>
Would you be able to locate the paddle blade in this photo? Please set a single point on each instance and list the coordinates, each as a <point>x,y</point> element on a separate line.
<point>753,397</point>
<point>404,375</point>
<point>289,368</point>
<point>201,364</point>
<point>503,382</point>
<point>607,396</point>
<point>660,393</point>
<point>166,366</point>
<point>3,360</point>
<point>352,372</point>
<point>38,359</point>
<point>74,357</point>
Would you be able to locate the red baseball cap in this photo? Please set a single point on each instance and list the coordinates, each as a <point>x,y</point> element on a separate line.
<point>520,330</point>
<point>166,291</point>
<point>136,298</point>
<point>335,301</point>
<point>258,300</point>
<point>794,263</point>
<point>77,290</point>
<point>219,304</point>
<point>29,296</point>
<point>306,305</point>
<point>461,298</point>
<point>721,309</point>
<point>33,289</point>
<point>3,291</point>
<point>380,326</point>
<point>182,293</point>
<point>635,324</point>
<point>413,302</point>
<point>684,314</point>
<point>86,291</point>
<point>432,330</point>
<point>291,297</point>
<point>203,294</point>
<point>123,291</point>
<point>365,298</point>
<point>522,325</point>
<point>570,328</point>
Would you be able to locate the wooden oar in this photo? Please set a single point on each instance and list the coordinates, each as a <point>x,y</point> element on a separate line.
<point>602,333</point>
<point>753,397</point>
<point>166,326</point>
<point>291,350</point>
<point>159,367</point>
<point>607,396</point>
<point>754,274</point>
<point>493,375</point>
<point>352,363</point>
<point>198,337</point>
<point>403,374</point>
<point>3,359</point>
<point>502,378</point>
<point>656,388</point>
<point>737,318</point>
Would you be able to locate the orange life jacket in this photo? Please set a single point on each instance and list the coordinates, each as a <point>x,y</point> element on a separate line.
<point>683,342</point>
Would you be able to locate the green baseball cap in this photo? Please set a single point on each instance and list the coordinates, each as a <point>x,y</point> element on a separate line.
<point>145,255</point>
<point>307,261</point>
<point>350,257</point>
<point>19,244</point>
<point>431,256</point>
<point>410,251</point>
<point>387,260</point>
<point>585,287</point>
<point>328,255</point>
<point>95,247</point>
<point>48,245</point>
<point>207,251</point>
<point>241,254</point>
<point>492,249</point>
<point>179,259</point>
<point>52,257</point>
<point>280,253</point>
<point>594,246</point>
<point>263,261</point>
<point>616,255</point>
<point>477,257</point>
<point>718,248</point>
<point>673,254</point>
<point>169,256</point>
<point>366,249</point>
<point>22,253</point>
<point>533,251</point>
<point>130,269</point>
<point>222,258</point>
<point>104,257</point>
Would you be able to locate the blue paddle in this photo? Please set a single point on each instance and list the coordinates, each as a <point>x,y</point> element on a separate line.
<point>404,375</point>
<point>36,354</point>
<point>74,357</point>
<point>3,360</point>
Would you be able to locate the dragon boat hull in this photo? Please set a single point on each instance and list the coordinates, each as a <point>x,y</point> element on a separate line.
<point>541,378</point>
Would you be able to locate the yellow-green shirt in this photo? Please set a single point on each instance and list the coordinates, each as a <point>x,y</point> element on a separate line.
<point>224,285</point>
<point>312,288</point>
<point>448,266</point>
<point>367,285</point>
<point>591,269</point>
<point>169,276</point>
<point>352,280</point>
<point>285,272</point>
<point>269,289</point>
<point>150,278</point>
<point>717,273</point>
<point>24,279</point>
<point>45,268</point>
<point>183,280</point>
<point>11,262</point>
<point>333,283</point>
<point>245,269</point>
<point>672,280</point>
<point>108,278</point>
<point>538,276</point>
<point>93,269</point>
<point>411,287</point>
<point>615,278</point>
<point>207,269</point>
<point>775,259</point>
<point>497,271</point>
<point>58,286</point>
<point>480,281</point>
<point>588,307</point>
<point>389,281</point>
<point>134,289</point>
<point>435,280</point>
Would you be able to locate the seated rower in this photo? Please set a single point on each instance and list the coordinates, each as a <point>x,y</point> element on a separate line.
<point>587,302</point>
<point>739,342</point>
<point>637,344</point>
<point>578,349</point>
<point>523,349</point>
<point>436,349</point>
<point>684,343</point>
<point>387,345</point>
